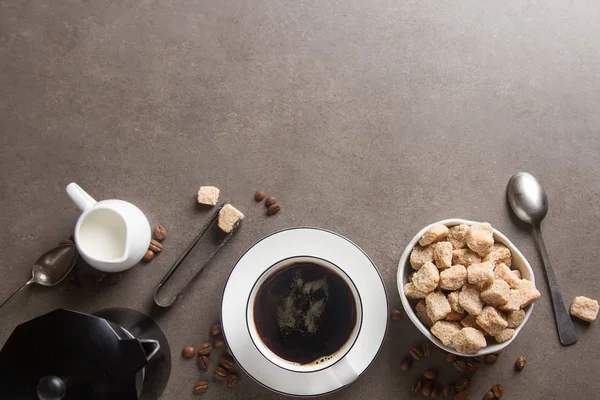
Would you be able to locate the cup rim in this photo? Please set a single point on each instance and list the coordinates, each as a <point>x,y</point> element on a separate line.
<point>281,362</point>
<point>402,279</point>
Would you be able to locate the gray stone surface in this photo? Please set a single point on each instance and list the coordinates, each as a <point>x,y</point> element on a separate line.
<point>369,118</point>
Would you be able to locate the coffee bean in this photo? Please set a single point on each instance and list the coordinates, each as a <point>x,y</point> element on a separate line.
<point>228,351</point>
<point>478,358</point>
<point>204,349</point>
<point>451,357</point>
<point>220,373</point>
<point>460,365</point>
<point>430,374</point>
<point>405,364</point>
<point>418,386</point>
<point>219,341</point>
<point>427,388</point>
<point>64,242</point>
<point>461,385</point>
<point>520,363</point>
<point>462,396</point>
<point>449,390</point>
<point>491,358</point>
<point>436,392</point>
<point>426,347</point>
<point>148,256</point>
<point>395,315</point>
<point>188,352</point>
<point>155,246</point>
<point>472,365</point>
<point>270,201</point>
<point>259,195</point>
<point>113,279</point>
<point>215,329</point>
<point>200,387</point>
<point>203,362</point>
<point>416,353</point>
<point>273,209</point>
<point>489,396</point>
<point>227,361</point>
<point>232,380</point>
<point>160,233</point>
<point>498,390</point>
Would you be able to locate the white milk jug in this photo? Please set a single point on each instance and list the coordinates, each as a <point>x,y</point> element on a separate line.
<point>111,235</point>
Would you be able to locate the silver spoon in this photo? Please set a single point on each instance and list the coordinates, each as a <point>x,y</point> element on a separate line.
<point>51,268</point>
<point>528,201</point>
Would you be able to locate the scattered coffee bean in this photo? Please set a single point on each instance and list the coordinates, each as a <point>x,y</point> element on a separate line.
<point>188,352</point>
<point>273,209</point>
<point>491,358</point>
<point>155,246</point>
<point>203,362</point>
<point>497,353</point>
<point>472,365</point>
<point>259,195</point>
<point>220,373</point>
<point>462,396</point>
<point>395,315</point>
<point>416,353</point>
<point>270,201</point>
<point>65,242</point>
<point>489,396</point>
<point>460,365</point>
<point>204,349</point>
<point>113,279</point>
<point>200,387</point>
<point>427,388</point>
<point>227,362</point>
<point>478,358</point>
<point>498,390</point>
<point>406,364</point>
<point>520,363</point>
<point>160,233</point>
<point>430,374</point>
<point>148,256</point>
<point>215,329</point>
<point>436,392</point>
<point>451,357</point>
<point>219,341</point>
<point>232,380</point>
<point>228,351</point>
<point>418,386</point>
<point>426,347</point>
<point>461,385</point>
<point>449,390</point>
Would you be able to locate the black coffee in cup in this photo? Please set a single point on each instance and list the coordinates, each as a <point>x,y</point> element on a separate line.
<point>304,312</point>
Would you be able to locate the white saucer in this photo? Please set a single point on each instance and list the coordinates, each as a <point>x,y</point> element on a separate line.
<point>317,243</point>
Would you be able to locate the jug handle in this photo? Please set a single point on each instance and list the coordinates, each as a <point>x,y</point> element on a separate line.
<point>150,347</point>
<point>79,196</point>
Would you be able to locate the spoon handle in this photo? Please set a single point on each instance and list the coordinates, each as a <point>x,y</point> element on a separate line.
<point>15,294</point>
<point>564,324</point>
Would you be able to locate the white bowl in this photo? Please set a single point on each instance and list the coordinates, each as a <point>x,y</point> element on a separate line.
<point>404,269</point>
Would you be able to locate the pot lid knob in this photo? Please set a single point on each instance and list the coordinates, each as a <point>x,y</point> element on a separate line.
<point>51,388</point>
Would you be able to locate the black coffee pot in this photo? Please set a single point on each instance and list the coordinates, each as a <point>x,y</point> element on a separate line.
<point>69,355</point>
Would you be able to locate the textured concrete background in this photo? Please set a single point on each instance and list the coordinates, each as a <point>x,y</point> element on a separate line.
<point>368,118</point>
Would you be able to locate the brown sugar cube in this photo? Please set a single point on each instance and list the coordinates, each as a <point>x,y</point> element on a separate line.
<point>506,274</point>
<point>454,303</point>
<point>412,292</point>
<point>517,273</point>
<point>491,321</point>
<point>584,308</point>
<point>465,257</point>
<point>515,318</point>
<point>480,238</point>
<point>442,254</point>
<point>453,278</point>
<point>434,234</point>
<point>514,301</point>
<point>421,311</point>
<point>457,236</point>
<point>497,294</point>
<point>481,274</point>
<point>470,300</point>
<point>504,335</point>
<point>427,278</point>
<point>470,321</point>
<point>420,255</point>
<point>229,216</point>
<point>445,331</point>
<point>500,254</point>
<point>208,195</point>
<point>528,292</point>
<point>454,316</point>
<point>437,306</point>
<point>469,341</point>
